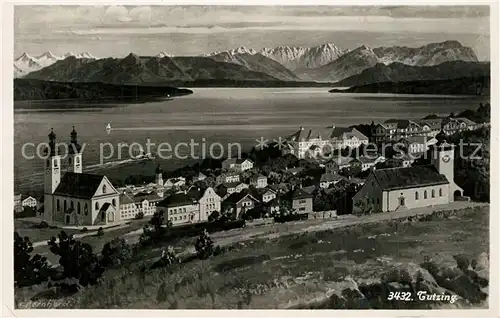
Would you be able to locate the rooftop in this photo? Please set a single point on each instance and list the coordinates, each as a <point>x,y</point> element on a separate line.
<point>79,185</point>
<point>329,177</point>
<point>177,199</point>
<point>410,177</point>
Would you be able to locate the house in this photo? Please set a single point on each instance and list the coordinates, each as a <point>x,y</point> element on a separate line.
<point>237,164</point>
<point>28,201</point>
<point>199,177</point>
<point>239,202</point>
<point>307,142</point>
<point>368,162</point>
<point>417,144</point>
<point>328,179</point>
<point>180,208</point>
<point>174,182</point>
<point>231,187</point>
<point>227,178</point>
<point>263,194</point>
<point>347,138</point>
<point>338,163</point>
<point>410,187</point>
<point>431,126</point>
<point>453,125</point>
<point>76,198</point>
<point>128,208</point>
<point>272,207</point>
<point>302,202</point>
<point>394,129</point>
<point>208,201</point>
<point>146,202</point>
<point>259,181</point>
<point>17,203</point>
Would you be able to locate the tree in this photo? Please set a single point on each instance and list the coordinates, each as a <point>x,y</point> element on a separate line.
<point>100,232</point>
<point>28,270</point>
<point>76,259</point>
<point>157,223</point>
<point>139,215</point>
<point>204,245</point>
<point>115,252</point>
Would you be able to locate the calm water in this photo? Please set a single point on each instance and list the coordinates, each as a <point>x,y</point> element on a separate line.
<point>221,115</point>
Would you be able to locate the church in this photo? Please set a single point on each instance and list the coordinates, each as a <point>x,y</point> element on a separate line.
<point>72,197</point>
<point>394,189</point>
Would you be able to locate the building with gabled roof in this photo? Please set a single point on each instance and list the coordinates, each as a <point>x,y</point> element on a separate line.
<point>237,164</point>
<point>237,203</point>
<point>410,187</point>
<point>347,138</point>
<point>73,197</point>
<point>328,179</point>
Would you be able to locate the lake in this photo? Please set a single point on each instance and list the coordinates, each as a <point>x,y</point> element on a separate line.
<point>210,115</point>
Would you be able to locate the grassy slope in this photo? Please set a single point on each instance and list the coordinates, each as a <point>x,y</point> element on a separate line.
<point>290,271</point>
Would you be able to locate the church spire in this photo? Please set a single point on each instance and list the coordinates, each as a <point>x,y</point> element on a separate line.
<point>51,149</point>
<point>73,136</point>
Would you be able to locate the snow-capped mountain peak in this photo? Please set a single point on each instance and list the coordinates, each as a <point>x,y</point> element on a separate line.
<point>236,51</point>
<point>26,63</point>
<point>164,54</point>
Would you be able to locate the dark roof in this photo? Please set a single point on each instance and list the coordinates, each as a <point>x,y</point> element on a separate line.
<point>125,199</point>
<point>151,196</point>
<point>79,185</point>
<point>401,123</point>
<point>327,177</point>
<point>301,194</point>
<point>347,133</point>
<point>177,199</point>
<point>237,197</point>
<point>410,177</point>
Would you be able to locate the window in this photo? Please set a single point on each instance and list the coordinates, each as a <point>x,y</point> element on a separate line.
<point>69,159</point>
<point>378,200</point>
<point>86,209</point>
<point>425,194</point>
<point>71,205</point>
<point>64,209</point>
<point>433,193</point>
<point>402,201</point>
<point>440,192</point>
<point>58,205</point>
<point>77,160</point>
<point>175,218</point>
<point>104,189</point>
<point>97,205</point>
<point>184,217</point>
<point>55,163</point>
<point>416,195</point>
<point>113,202</point>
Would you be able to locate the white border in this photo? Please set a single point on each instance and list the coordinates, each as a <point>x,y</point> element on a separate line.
<point>6,160</point>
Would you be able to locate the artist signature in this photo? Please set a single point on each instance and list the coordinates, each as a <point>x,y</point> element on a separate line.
<point>47,303</point>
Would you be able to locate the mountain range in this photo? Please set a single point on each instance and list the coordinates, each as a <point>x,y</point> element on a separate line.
<point>323,63</point>
<point>399,72</point>
<point>26,63</point>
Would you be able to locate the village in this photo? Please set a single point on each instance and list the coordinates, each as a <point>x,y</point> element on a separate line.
<point>314,174</point>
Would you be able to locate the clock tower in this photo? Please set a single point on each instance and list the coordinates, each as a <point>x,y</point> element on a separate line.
<point>442,157</point>
<point>52,175</point>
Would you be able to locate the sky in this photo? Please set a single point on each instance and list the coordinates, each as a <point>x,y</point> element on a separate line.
<point>192,30</point>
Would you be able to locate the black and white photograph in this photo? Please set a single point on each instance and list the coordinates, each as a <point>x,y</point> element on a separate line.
<point>252,157</point>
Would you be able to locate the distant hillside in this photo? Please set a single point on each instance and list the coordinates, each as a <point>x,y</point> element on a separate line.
<point>29,89</point>
<point>136,70</point>
<point>259,63</point>
<point>459,86</point>
<point>398,72</point>
<point>364,57</point>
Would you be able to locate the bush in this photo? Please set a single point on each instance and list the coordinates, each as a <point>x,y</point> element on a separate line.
<point>28,270</point>
<point>77,259</point>
<point>100,232</point>
<point>168,257</point>
<point>204,245</point>
<point>116,252</point>
<point>84,230</point>
<point>43,225</point>
<point>139,216</point>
